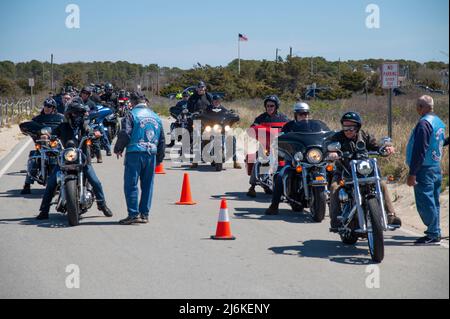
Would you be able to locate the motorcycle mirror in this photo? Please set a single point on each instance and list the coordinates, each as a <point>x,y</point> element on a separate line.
<point>386,141</point>
<point>334,147</point>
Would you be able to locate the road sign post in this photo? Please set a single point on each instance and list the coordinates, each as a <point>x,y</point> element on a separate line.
<point>389,81</point>
<point>31,85</point>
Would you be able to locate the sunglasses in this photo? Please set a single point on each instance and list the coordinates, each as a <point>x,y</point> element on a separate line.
<point>270,105</point>
<point>349,128</point>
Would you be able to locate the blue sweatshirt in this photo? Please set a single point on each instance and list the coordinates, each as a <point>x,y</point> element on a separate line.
<point>422,135</point>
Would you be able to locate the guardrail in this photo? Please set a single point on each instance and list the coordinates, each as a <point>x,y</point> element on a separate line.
<point>12,109</point>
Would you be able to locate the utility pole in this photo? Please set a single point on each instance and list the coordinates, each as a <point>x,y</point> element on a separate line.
<point>53,83</point>
<point>276,57</point>
<point>312,66</point>
<point>290,52</point>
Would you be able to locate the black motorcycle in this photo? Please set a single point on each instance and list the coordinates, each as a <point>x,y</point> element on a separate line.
<point>305,174</point>
<point>212,132</point>
<point>43,159</point>
<point>361,198</point>
<point>75,193</point>
<point>183,123</point>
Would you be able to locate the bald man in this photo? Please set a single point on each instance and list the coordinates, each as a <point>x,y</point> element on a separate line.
<point>423,156</point>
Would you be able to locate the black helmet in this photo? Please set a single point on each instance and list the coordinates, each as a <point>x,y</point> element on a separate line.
<point>50,103</point>
<point>352,117</point>
<point>201,84</point>
<point>76,107</point>
<point>274,99</point>
<point>108,87</point>
<point>217,97</point>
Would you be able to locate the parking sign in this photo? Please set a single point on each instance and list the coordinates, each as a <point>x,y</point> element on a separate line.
<point>389,75</point>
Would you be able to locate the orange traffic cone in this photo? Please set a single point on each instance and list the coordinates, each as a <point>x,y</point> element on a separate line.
<point>186,197</point>
<point>159,170</point>
<point>223,231</point>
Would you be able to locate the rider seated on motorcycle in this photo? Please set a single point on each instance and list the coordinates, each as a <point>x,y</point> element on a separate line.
<point>271,115</point>
<point>301,113</point>
<point>351,132</point>
<point>70,133</point>
<point>184,100</point>
<point>48,117</point>
<point>218,107</point>
<point>95,99</point>
<point>109,98</point>
<point>86,94</point>
<point>200,100</point>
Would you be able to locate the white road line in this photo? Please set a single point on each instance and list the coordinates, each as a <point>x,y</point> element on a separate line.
<point>14,158</point>
<point>412,233</point>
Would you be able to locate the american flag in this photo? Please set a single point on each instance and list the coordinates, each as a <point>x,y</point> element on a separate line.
<point>242,37</point>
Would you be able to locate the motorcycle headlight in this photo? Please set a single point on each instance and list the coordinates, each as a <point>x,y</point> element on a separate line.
<point>71,156</point>
<point>298,157</point>
<point>364,168</point>
<point>208,129</point>
<point>227,128</point>
<point>314,156</point>
<point>217,128</point>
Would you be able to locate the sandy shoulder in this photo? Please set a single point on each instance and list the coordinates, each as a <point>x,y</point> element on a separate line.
<point>405,205</point>
<point>9,137</point>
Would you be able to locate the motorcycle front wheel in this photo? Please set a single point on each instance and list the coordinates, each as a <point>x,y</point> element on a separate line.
<point>319,205</point>
<point>72,207</point>
<point>375,234</point>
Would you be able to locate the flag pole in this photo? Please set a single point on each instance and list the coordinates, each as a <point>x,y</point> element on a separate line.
<point>239,56</point>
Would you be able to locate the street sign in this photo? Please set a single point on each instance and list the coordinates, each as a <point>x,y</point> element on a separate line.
<point>389,75</point>
<point>31,82</point>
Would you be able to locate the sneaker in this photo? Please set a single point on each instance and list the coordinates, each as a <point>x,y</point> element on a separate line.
<point>42,216</point>
<point>428,241</point>
<point>144,219</point>
<point>26,190</point>
<point>251,192</point>
<point>130,220</point>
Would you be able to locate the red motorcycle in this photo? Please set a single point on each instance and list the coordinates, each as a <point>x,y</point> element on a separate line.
<point>258,163</point>
<point>123,106</point>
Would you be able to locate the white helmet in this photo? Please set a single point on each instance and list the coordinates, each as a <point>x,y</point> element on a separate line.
<point>301,107</point>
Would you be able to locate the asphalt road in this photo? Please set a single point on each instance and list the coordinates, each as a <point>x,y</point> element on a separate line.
<point>285,256</point>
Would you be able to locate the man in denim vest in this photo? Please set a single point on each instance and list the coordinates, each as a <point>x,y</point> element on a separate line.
<point>423,156</point>
<point>143,137</point>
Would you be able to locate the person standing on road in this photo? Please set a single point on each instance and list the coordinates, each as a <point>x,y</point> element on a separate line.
<point>142,135</point>
<point>423,156</point>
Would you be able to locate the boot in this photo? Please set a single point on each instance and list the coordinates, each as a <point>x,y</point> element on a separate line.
<point>42,216</point>
<point>236,165</point>
<point>194,165</point>
<point>99,157</point>
<point>26,190</point>
<point>272,210</point>
<point>251,192</point>
<point>103,208</point>
<point>394,221</point>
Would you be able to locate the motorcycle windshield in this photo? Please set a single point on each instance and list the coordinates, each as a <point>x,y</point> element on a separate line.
<point>222,117</point>
<point>306,135</point>
<point>31,128</point>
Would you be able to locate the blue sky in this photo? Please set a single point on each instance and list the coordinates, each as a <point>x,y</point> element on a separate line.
<point>182,33</point>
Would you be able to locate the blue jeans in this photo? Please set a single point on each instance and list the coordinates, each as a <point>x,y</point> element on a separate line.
<point>52,184</point>
<point>139,166</point>
<point>427,191</point>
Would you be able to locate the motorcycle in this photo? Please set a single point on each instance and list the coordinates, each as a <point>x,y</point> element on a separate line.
<point>215,125</point>
<point>183,120</point>
<point>75,193</point>
<point>361,198</point>
<point>96,120</point>
<point>43,159</point>
<point>255,161</point>
<point>123,106</point>
<point>305,173</point>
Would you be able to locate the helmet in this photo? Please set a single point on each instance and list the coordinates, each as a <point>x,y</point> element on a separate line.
<point>185,94</point>
<point>217,97</point>
<point>201,84</point>
<point>274,99</point>
<point>352,117</point>
<point>50,103</point>
<point>108,87</point>
<point>301,107</point>
<point>86,89</point>
<point>76,107</point>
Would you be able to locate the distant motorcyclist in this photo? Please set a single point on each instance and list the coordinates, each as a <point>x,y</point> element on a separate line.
<point>109,98</point>
<point>301,113</point>
<point>184,100</point>
<point>200,100</point>
<point>48,117</point>
<point>85,94</point>
<point>71,133</point>
<point>271,115</point>
<point>350,134</point>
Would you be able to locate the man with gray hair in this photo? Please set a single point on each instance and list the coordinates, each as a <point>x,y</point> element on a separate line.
<point>423,156</point>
